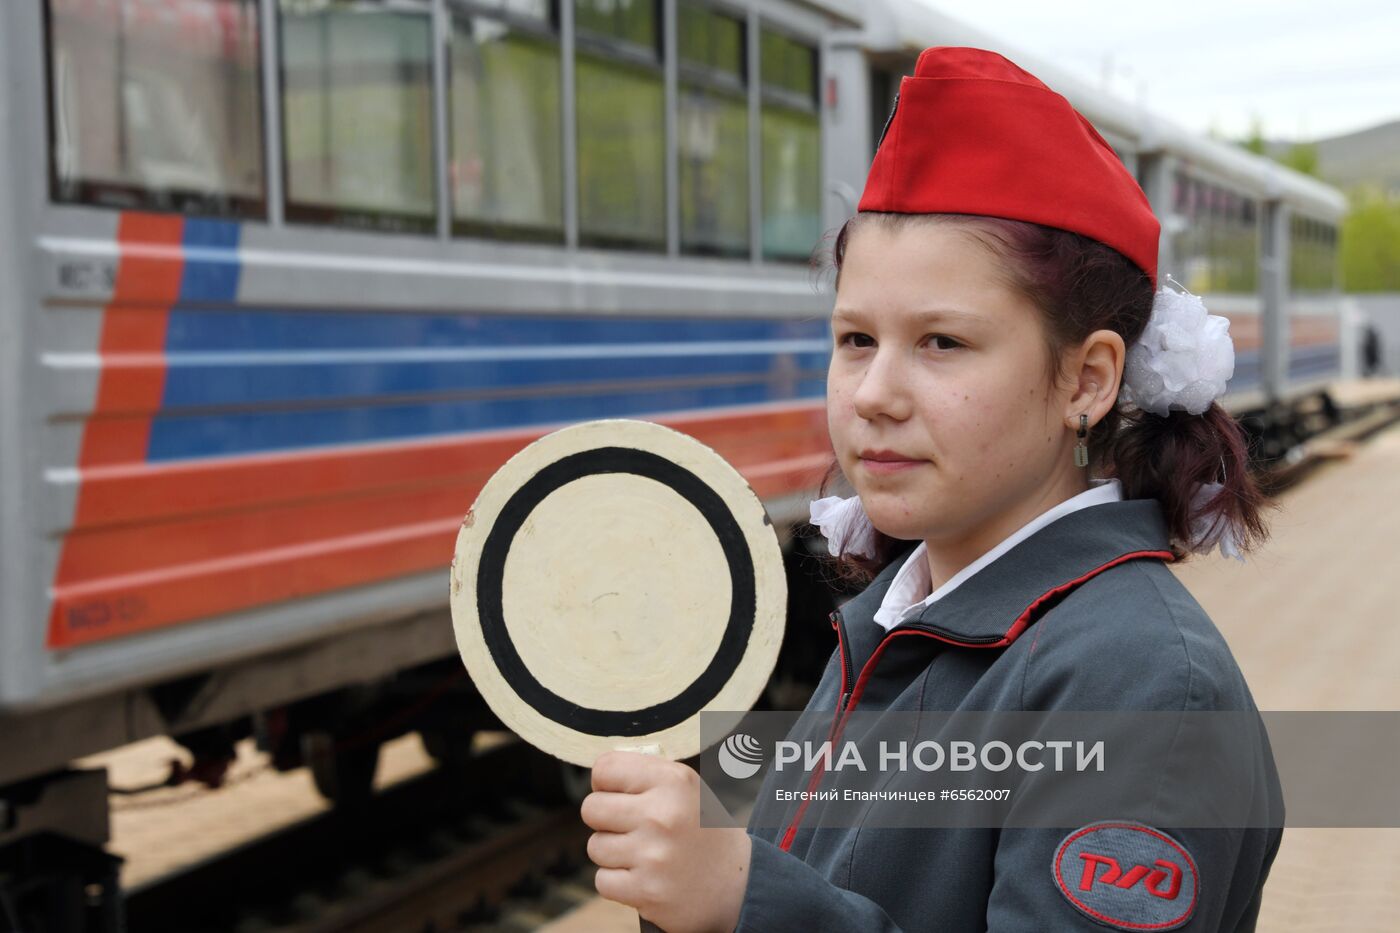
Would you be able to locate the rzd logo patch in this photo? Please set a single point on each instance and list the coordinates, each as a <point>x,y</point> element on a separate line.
<point>1127,875</point>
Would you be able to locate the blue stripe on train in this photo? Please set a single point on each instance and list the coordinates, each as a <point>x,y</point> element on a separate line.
<point>1304,362</point>
<point>287,330</point>
<point>367,373</point>
<point>211,260</point>
<point>1312,362</point>
<point>307,379</point>
<point>1247,374</point>
<point>227,368</point>
<point>178,437</point>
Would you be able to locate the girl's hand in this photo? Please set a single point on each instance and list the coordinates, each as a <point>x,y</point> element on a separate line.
<point>652,853</point>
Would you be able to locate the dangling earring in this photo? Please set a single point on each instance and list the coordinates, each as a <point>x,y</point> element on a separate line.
<point>1081,452</point>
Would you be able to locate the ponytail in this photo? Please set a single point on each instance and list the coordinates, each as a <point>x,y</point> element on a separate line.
<point>1169,459</point>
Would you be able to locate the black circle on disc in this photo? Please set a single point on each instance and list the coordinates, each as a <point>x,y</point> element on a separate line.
<point>491,574</point>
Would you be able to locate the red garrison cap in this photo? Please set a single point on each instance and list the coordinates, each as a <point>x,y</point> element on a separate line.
<point>973,133</point>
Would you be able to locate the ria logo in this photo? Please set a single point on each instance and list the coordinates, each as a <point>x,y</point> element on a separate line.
<point>740,756</point>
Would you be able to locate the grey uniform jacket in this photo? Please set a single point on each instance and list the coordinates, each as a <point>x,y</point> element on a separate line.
<point>1082,615</point>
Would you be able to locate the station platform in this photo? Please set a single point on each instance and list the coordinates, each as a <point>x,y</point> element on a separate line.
<point>1312,620</point>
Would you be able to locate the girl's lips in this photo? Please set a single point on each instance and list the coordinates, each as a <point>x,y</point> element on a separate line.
<point>890,466</point>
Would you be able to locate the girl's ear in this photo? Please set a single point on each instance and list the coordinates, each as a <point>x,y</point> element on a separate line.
<point>1097,376</point>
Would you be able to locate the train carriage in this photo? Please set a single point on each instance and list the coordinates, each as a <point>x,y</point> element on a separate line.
<point>282,282</point>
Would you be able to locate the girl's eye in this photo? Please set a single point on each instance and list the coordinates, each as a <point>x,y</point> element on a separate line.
<point>948,343</point>
<point>845,339</point>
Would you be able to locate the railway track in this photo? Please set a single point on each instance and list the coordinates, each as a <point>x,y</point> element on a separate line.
<point>1339,441</point>
<point>445,851</point>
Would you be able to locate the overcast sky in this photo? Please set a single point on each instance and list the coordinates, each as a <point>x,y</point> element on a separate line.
<point>1308,68</point>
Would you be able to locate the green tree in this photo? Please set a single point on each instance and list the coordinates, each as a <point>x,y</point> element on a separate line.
<point>1370,244</point>
<point>1254,142</point>
<point>1302,157</point>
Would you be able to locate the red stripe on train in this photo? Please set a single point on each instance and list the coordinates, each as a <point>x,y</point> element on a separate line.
<point>149,268</point>
<point>156,545</point>
<point>118,431</point>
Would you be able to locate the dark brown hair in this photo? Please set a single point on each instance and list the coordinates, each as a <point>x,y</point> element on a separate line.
<point>1081,285</point>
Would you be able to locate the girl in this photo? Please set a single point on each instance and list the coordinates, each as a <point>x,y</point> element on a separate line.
<point>999,337</point>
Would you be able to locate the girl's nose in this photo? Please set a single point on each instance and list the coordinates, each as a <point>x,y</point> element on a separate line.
<point>883,389</point>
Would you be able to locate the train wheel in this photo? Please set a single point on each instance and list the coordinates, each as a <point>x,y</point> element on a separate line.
<point>449,748</point>
<point>344,776</point>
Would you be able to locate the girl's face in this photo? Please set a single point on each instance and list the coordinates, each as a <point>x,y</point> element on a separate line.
<point>941,367</point>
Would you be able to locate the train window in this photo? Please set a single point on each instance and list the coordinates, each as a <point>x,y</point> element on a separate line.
<point>620,102</point>
<point>791,145</point>
<point>713,133</point>
<point>788,65</point>
<point>1216,246</point>
<point>1247,234</point>
<point>633,21</point>
<point>357,113</point>
<point>710,40</point>
<point>1236,255</point>
<point>538,10</point>
<point>1312,262</point>
<point>506,161</point>
<point>156,105</point>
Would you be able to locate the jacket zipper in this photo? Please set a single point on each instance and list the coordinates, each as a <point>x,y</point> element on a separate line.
<point>847,675</point>
<point>844,707</point>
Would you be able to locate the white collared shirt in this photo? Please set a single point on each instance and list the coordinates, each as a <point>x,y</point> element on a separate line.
<point>909,591</point>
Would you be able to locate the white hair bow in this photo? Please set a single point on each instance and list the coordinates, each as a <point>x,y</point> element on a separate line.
<point>1183,359</point>
<point>845,526</point>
